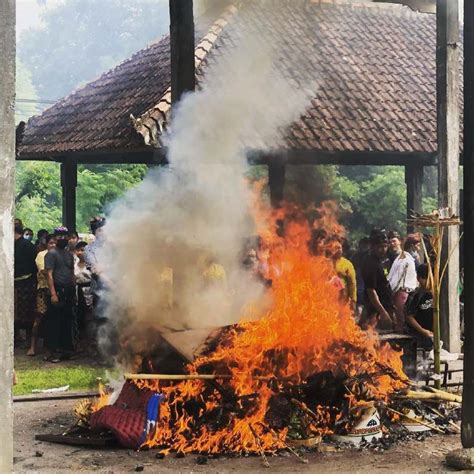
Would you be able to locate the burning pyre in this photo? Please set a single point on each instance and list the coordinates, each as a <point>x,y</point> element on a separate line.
<point>301,370</point>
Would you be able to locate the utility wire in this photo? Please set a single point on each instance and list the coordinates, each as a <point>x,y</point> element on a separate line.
<point>34,101</point>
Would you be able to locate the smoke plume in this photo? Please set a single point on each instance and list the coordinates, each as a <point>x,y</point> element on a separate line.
<point>169,241</point>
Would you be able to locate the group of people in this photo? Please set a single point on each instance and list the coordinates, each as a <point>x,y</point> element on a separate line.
<point>56,289</point>
<point>393,285</point>
<point>384,281</point>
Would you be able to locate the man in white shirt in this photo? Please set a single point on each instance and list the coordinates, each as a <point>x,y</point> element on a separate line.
<point>403,281</point>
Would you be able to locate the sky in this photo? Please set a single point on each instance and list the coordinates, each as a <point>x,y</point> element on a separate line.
<point>28,12</point>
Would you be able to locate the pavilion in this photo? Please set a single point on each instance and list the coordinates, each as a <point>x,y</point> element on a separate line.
<point>375,102</point>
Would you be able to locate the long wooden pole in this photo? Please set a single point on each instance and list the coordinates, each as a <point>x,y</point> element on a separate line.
<point>447,100</point>
<point>7,168</point>
<point>182,48</point>
<point>467,424</point>
<point>436,304</point>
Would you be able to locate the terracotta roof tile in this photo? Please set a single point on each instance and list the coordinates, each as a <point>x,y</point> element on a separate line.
<point>375,64</point>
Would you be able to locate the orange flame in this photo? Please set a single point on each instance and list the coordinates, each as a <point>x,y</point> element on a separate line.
<point>306,330</point>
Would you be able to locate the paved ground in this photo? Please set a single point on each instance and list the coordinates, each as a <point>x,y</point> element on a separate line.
<point>54,416</point>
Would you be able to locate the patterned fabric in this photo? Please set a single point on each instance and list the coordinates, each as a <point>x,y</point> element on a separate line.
<point>42,297</point>
<point>25,301</point>
<point>132,418</point>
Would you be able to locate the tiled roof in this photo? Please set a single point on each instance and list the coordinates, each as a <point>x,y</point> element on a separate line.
<point>375,64</point>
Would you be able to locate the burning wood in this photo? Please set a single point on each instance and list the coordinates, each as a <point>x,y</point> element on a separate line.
<point>302,371</point>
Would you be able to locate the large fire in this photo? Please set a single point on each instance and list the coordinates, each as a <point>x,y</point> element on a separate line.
<point>306,332</point>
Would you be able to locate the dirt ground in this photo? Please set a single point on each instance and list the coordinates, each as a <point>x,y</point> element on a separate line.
<point>55,416</point>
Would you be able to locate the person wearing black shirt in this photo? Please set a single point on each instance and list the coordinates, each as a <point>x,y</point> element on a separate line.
<point>419,310</point>
<point>25,282</point>
<point>377,292</point>
<point>59,265</point>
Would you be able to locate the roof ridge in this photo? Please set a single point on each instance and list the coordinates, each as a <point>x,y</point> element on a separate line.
<point>151,124</point>
<point>364,4</point>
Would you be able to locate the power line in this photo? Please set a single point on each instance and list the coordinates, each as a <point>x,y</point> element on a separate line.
<point>35,101</point>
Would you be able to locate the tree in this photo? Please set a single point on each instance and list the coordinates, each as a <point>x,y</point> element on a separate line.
<point>38,191</point>
<point>78,41</point>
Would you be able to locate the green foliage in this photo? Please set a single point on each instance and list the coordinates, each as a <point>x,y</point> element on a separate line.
<point>79,40</point>
<point>100,185</point>
<point>38,190</point>
<point>371,197</point>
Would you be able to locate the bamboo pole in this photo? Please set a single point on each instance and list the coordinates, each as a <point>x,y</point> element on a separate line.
<point>437,395</point>
<point>436,293</point>
<point>130,376</point>
<point>415,420</point>
<point>174,376</point>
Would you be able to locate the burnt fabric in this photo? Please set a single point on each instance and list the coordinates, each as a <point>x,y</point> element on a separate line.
<point>132,418</point>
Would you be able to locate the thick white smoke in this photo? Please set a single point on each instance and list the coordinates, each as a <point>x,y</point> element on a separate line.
<point>168,239</point>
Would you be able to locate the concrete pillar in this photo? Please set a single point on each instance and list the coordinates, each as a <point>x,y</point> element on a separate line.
<point>7,170</point>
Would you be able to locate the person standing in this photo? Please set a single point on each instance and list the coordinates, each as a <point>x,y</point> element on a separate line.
<point>25,282</point>
<point>59,265</point>
<point>42,293</point>
<point>413,247</point>
<point>73,239</point>
<point>394,246</point>
<point>357,260</point>
<point>83,276</point>
<point>419,310</point>
<point>403,282</point>
<point>379,306</point>
<point>345,271</point>
<point>28,234</point>
<point>41,243</point>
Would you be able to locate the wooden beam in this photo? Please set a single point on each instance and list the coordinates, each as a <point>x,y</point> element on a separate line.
<point>182,48</point>
<point>276,182</point>
<point>467,423</point>
<point>69,184</point>
<point>447,94</point>
<point>157,156</point>
<point>414,182</point>
<point>7,190</point>
<point>349,158</point>
<point>146,155</point>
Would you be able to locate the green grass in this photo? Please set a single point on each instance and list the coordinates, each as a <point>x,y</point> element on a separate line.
<point>78,377</point>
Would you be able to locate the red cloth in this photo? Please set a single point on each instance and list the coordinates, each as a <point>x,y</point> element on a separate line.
<point>126,418</point>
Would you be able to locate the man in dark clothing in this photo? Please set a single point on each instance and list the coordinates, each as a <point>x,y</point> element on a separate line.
<point>59,264</point>
<point>25,282</point>
<point>378,294</point>
<point>357,260</point>
<point>419,310</point>
<point>395,246</point>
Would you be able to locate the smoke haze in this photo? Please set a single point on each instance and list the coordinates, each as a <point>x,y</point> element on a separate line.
<point>168,241</point>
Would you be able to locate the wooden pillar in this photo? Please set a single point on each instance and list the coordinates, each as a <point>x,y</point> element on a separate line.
<point>276,183</point>
<point>447,92</point>
<point>7,170</point>
<point>182,48</point>
<point>467,425</point>
<point>414,182</point>
<point>69,184</point>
